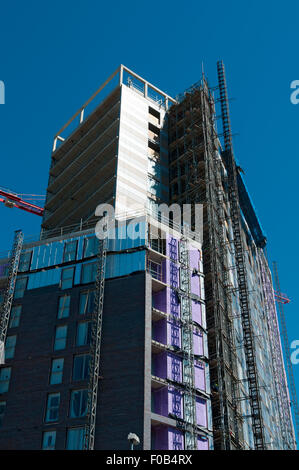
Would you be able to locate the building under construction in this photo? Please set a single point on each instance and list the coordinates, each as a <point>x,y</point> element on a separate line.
<point>157,330</point>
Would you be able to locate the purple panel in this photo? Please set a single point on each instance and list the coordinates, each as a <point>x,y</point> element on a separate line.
<point>174,279</point>
<point>194,259</point>
<point>194,264</point>
<point>172,248</point>
<point>174,305</point>
<point>161,401</point>
<point>175,402</point>
<point>174,367</point>
<point>195,284</point>
<point>196,312</point>
<point>199,373</point>
<point>160,434</point>
<point>159,331</point>
<point>175,439</point>
<point>159,300</point>
<point>202,444</point>
<point>160,365</point>
<point>198,342</point>
<point>173,333</point>
<point>201,412</point>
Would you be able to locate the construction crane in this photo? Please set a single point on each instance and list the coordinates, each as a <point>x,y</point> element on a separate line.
<point>281,300</point>
<point>22,201</point>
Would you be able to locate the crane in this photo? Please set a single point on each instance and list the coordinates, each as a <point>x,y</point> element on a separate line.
<point>282,299</point>
<point>21,201</point>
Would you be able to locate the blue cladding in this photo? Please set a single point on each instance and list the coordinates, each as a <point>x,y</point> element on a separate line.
<point>125,263</point>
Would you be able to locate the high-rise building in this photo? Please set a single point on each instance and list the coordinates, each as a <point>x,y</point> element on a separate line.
<point>160,329</point>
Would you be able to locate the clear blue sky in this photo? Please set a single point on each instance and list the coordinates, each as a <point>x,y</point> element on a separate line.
<point>54,55</point>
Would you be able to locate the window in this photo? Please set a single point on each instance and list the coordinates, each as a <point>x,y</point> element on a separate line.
<point>78,405</point>
<point>80,369</point>
<point>83,333</point>
<point>21,284</point>
<point>75,438</point>
<point>60,337</point>
<point>52,412</point>
<point>67,277</point>
<point>86,302</point>
<point>25,261</point>
<point>91,246</point>
<point>49,439</point>
<point>2,411</point>
<point>64,306</point>
<point>15,316</point>
<point>4,379</point>
<point>88,273</point>
<point>70,251</point>
<point>10,345</point>
<point>56,371</point>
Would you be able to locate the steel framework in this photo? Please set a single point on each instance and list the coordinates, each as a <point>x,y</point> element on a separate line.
<point>13,266</point>
<point>95,348</point>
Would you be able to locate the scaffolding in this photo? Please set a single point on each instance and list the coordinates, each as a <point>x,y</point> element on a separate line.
<point>249,346</point>
<point>13,266</point>
<point>187,347</point>
<point>286,345</point>
<point>95,348</point>
<point>196,177</point>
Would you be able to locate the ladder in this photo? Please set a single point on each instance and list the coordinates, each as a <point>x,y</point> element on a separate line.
<point>249,347</point>
<point>13,266</point>
<point>95,348</point>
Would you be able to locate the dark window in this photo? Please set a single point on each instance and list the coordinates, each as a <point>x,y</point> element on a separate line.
<point>4,379</point>
<point>70,251</point>
<point>56,371</point>
<point>52,412</point>
<point>49,439</point>
<point>21,284</point>
<point>83,333</point>
<point>78,405</point>
<point>60,337</point>
<point>75,438</point>
<point>15,316</point>
<point>80,369</point>
<point>64,306</point>
<point>67,277</point>
<point>86,302</point>
<point>25,261</point>
<point>10,345</point>
<point>89,272</point>
<point>91,247</point>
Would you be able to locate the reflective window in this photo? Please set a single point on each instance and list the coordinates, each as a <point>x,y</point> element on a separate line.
<point>75,438</point>
<point>21,284</point>
<point>56,371</point>
<point>91,247</point>
<point>86,302</point>
<point>70,251</point>
<point>2,411</point>
<point>83,333</point>
<point>52,412</point>
<point>25,261</point>
<point>78,405</point>
<point>64,306</point>
<point>89,272</point>
<point>80,368</point>
<point>10,345</point>
<point>49,439</point>
<point>67,277</point>
<point>60,337</point>
<point>15,316</point>
<point>4,379</point>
